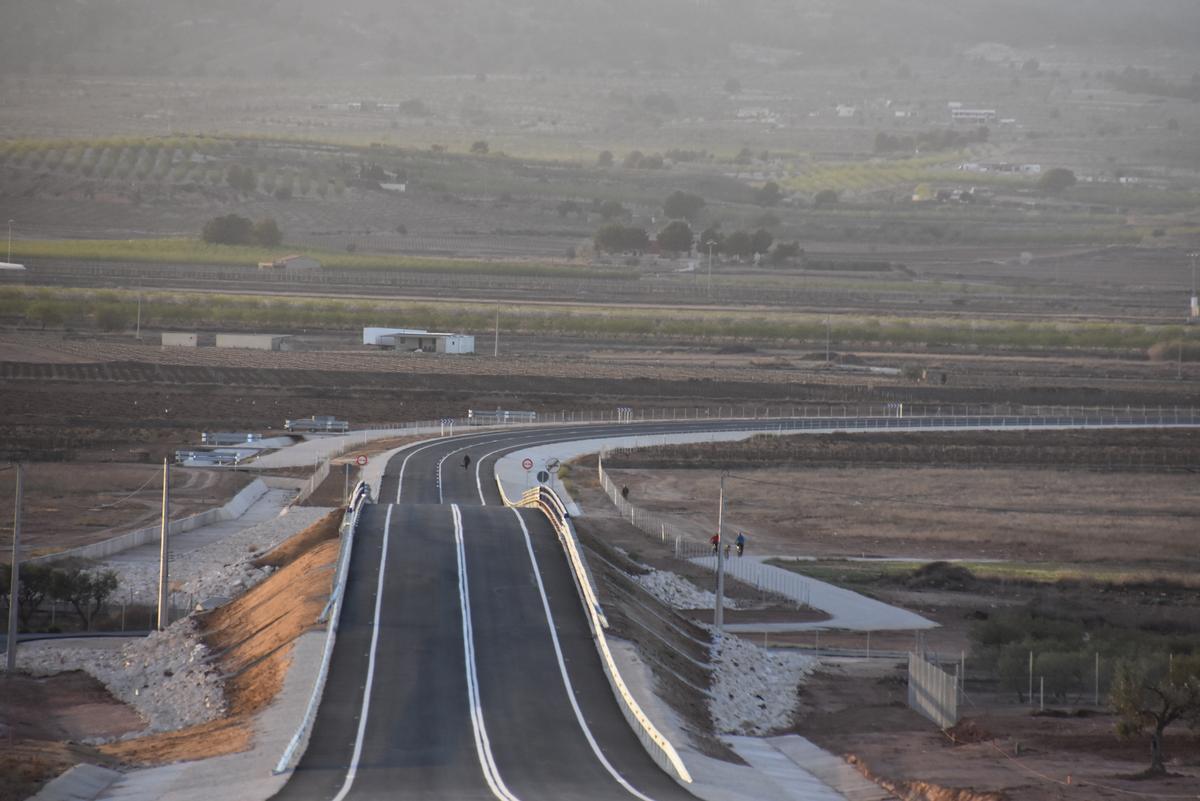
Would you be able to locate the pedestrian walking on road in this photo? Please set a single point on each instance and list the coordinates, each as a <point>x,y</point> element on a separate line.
<point>715,540</point>
<point>466,461</point>
<point>741,543</point>
<point>625,492</point>
<point>728,548</point>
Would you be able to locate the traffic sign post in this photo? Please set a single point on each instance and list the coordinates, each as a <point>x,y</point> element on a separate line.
<point>543,476</point>
<point>527,463</point>
<point>446,421</point>
<point>360,460</point>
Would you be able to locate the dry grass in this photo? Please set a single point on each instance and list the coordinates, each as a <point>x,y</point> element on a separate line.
<point>252,637</point>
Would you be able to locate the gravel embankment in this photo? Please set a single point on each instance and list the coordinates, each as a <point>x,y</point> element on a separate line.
<point>679,593</point>
<point>754,689</point>
<point>220,569</point>
<point>167,677</point>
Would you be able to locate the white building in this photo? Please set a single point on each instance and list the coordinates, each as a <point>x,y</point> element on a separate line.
<point>293,262</point>
<point>973,115</point>
<point>418,339</point>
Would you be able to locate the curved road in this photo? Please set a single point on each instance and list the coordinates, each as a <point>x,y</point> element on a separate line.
<point>464,666</point>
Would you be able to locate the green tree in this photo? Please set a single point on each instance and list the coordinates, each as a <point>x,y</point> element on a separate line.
<point>33,589</point>
<point>479,147</point>
<point>1151,694</point>
<point>825,198</point>
<point>230,229</point>
<point>1056,180</point>
<point>113,317</point>
<point>683,205</point>
<point>738,244</point>
<point>768,194</point>
<point>611,210</point>
<point>676,237</point>
<point>46,312</point>
<point>633,160</point>
<point>86,591</point>
<point>617,238</point>
<point>760,241</point>
<point>266,233</point>
<point>605,159</point>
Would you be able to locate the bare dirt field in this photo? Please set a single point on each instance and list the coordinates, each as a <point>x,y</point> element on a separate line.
<point>935,513</point>
<point>1104,546</point>
<point>68,504</point>
<point>859,711</point>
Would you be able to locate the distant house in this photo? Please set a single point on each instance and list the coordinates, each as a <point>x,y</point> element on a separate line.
<point>293,262</point>
<point>973,115</point>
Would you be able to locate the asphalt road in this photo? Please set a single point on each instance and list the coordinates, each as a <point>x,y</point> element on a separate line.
<point>463,642</point>
<point>472,651</point>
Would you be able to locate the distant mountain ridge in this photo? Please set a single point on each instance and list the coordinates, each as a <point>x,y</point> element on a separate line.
<point>317,38</point>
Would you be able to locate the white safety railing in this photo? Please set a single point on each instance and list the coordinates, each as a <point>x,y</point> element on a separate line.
<point>330,615</point>
<point>657,746</point>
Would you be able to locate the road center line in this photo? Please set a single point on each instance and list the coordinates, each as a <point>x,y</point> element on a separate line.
<point>483,747</point>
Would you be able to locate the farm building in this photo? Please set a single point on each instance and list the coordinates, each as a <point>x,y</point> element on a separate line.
<point>418,339</point>
<point>293,262</point>
<point>254,341</point>
<point>187,339</point>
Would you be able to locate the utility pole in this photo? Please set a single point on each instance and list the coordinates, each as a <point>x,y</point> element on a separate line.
<point>10,222</point>
<point>719,606</point>
<point>496,341</point>
<point>828,336</point>
<point>14,581</point>
<point>138,334</point>
<point>1193,312</point>
<point>164,613</point>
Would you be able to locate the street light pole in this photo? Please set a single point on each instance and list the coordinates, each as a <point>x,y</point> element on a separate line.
<point>10,222</point>
<point>710,244</point>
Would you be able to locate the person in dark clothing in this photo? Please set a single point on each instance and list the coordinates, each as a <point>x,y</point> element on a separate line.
<point>715,539</point>
<point>466,461</point>
<point>625,492</point>
<point>741,543</point>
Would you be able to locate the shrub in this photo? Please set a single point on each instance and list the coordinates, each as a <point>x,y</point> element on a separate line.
<point>113,317</point>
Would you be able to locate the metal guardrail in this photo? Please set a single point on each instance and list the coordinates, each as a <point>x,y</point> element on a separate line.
<point>657,746</point>
<point>331,613</point>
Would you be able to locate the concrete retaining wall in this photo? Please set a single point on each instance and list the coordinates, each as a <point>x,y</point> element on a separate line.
<point>123,542</point>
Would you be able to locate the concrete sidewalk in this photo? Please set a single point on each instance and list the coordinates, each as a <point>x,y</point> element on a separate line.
<point>846,609</point>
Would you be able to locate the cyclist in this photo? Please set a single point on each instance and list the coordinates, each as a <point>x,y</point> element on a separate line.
<point>715,541</point>
<point>741,543</point>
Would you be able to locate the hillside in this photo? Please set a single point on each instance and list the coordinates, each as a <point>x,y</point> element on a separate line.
<point>312,38</point>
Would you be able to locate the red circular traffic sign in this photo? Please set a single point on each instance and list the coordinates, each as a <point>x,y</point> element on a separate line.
<point>527,463</point>
<point>360,460</point>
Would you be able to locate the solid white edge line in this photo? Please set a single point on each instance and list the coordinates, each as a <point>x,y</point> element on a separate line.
<point>483,747</point>
<point>562,668</point>
<point>366,703</point>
